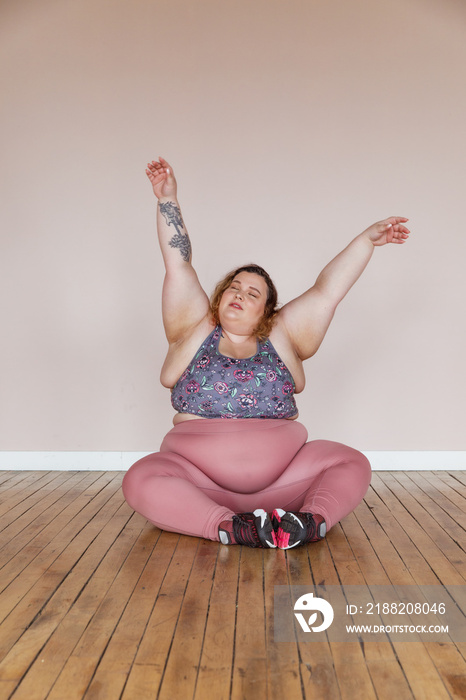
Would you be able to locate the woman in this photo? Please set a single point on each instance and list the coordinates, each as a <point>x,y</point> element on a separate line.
<point>253,480</point>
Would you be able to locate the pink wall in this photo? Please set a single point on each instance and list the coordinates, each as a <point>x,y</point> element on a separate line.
<point>292,126</point>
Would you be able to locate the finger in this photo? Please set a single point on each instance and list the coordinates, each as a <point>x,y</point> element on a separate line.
<point>395,220</point>
<point>155,178</point>
<point>166,164</point>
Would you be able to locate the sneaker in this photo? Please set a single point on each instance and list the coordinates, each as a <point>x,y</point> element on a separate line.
<point>251,529</point>
<point>294,529</point>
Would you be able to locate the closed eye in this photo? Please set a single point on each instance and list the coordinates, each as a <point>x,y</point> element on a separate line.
<point>236,288</point>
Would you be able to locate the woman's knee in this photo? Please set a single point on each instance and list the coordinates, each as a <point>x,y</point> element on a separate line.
<point>330,448</point>
<point>146,472</point>
<point>131,486</point>
<point>360,469</point>
<point>358,461</point>
<point>364,468</point>
<point>135,479</point>
<point>337,453</point>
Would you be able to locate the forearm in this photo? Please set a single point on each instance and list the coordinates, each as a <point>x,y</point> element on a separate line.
<point>184,302</point>
<point>173,236</point>
<point>337,278</point>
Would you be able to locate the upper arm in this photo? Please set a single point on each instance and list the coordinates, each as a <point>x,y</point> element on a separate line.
<point>184,302</point>
<point>306,320</point>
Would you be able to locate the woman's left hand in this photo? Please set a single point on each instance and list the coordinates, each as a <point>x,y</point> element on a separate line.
<point>389,230</point>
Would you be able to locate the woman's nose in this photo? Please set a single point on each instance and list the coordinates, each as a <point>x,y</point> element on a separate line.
<point>238,294</point>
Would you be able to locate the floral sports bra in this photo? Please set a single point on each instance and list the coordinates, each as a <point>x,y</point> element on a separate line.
<point>216,386</point>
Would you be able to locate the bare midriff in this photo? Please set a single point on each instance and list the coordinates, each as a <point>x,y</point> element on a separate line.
<point>181,417</point>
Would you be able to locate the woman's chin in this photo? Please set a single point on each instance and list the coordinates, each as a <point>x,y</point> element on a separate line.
<point>230,315</point>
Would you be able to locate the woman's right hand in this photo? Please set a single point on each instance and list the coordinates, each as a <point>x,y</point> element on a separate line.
<point>160,173</point>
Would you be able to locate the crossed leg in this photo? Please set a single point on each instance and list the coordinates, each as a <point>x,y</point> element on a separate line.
<point>324,477</point>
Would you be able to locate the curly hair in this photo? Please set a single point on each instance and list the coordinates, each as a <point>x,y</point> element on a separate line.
<point>262,331</point>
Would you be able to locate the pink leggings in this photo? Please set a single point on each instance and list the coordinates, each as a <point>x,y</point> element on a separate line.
<point>209,469</point>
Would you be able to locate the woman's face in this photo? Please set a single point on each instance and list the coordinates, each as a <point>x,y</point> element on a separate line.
<point>243,303</point>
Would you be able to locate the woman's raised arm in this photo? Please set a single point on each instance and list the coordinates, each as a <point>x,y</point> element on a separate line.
<point>307,318</point>
<point>184,302</point>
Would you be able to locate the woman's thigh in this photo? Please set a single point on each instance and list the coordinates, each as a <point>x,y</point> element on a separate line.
<point>325,477</point>
<point>166,480</point>
<point>163,464</point>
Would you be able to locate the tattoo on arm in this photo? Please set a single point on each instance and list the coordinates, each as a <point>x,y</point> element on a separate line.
<point>182,242</point>
<point>172,215</point>
<point>180,239</point>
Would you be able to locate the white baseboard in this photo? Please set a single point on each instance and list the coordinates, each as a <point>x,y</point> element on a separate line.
<point>121,461</point>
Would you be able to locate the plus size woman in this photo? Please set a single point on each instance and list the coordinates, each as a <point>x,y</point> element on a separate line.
<point>237,467</point>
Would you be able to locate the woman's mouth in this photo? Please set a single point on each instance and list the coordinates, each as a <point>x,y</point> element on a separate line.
<point>235,305</point>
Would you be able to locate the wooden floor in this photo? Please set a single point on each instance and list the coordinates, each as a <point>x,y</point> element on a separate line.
<point>96,603</point>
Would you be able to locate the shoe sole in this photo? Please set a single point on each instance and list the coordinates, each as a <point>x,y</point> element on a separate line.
<point>283,537</point>
<point>265,529</point>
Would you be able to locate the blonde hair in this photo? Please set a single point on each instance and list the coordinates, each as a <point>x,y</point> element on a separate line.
<point>262,331</point>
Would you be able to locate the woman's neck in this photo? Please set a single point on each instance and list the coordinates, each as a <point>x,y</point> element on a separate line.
<point>238,339</point>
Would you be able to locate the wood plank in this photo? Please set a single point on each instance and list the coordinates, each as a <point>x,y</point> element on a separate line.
<point>117,660</point>
<point>458,477</point>
<point>353,679</point>
<point>30,491</point>
<point>441,570</point>
<point>410,561</point>
<point>33,559</point>
<point>451,666</point>
<point>430,490</point>
<point>87,626</point>
<point>381,562</point>
<point>17,661</point>
<point>442,553</point>
<point>215,666</point>
<point>383,665</point>
<point>305,566</point>
<point>365,658</point>
<point>283,662</point>
<point>6,689</point>
<point>104,605</point>
<point>24,528</point>
<point>147,671</point>
<point>410,653</point>
<point>183,661</point>
<point>421,672</point>
<point>42,579</point>
<point>442,511</point>
<point>441,491</point>
<point>250,657</point>
<point>11,479</point>
<point>389,672</point>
